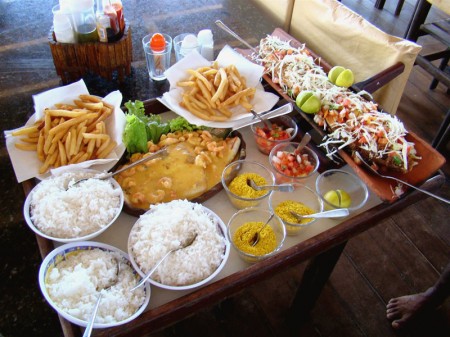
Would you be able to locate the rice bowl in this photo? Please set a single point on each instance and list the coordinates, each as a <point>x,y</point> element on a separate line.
<point>162,228</point>
<point>70,275</point>
<point>73,214</point>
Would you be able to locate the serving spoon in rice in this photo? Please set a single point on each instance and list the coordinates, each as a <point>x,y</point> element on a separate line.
<point>161,152</point>
<point>183,244</point>
<point>111,283</point>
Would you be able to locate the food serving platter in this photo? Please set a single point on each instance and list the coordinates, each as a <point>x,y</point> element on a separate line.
<point>431,160</point>
<point>241,154</point>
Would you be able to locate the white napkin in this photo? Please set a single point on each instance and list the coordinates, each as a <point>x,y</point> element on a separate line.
<point>26,163</point>
<point>262,101</point>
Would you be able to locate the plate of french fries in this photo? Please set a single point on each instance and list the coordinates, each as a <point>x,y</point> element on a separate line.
<point>219,93</point>
<point>70,129</point>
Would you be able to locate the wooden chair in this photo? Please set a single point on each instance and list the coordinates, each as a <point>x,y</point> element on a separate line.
<point>343,37</point>
<point>379,4</point>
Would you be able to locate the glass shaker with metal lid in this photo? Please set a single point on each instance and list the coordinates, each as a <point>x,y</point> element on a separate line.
<point>84,20</point>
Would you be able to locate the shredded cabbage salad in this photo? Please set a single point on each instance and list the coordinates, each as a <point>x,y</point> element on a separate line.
<point>350,119</point>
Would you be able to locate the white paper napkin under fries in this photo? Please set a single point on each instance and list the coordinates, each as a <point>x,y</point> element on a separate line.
<point>26,163</point>
<point>262,101</point>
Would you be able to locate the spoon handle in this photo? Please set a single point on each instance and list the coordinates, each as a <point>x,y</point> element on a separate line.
<point>419,189</point>
<point>334,213</point>
<point>233,34</point>
<point>146,277</point>
<point>90,325</point>
<point>305,140</point>
<point>281,187</point>
<point>137,162</point>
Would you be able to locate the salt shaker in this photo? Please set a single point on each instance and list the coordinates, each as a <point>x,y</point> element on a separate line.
<point>205,39</point>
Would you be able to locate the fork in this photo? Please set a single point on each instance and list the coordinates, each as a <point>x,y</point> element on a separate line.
<point>366,164</point>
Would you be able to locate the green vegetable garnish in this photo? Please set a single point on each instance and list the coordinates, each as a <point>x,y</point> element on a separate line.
<point>397,160</point>
<point>141,127</point>
<point>135,135</point>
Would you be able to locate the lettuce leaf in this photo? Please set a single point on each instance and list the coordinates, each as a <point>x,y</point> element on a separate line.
<point>135,134</point>
<point>141,127</point>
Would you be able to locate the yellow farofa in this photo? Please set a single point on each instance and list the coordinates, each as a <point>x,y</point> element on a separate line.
<point>239,186</point>
<point>267,241</point>
<point>284,208</point>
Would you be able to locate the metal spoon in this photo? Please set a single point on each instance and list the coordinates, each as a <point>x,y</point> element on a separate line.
<point>163,151</point>
<point>90,325</point>
<point>358,155</point>
<point>255,239</point>
<point>233,34</point>
<point>281,187</point>
<point>265,121</point>
<point>186,243</point>
<point>334,213</point>
<point>305,140</point>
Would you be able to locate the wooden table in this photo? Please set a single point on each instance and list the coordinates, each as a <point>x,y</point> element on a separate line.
<point>321,244</point>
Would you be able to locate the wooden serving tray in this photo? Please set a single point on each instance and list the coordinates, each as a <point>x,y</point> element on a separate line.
<point>431,160</point>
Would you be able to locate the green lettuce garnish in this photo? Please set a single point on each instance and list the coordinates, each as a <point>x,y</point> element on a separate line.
<point>135,134</point>
<point>141,127</point>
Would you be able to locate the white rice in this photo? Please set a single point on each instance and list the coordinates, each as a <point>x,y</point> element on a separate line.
<point>164,228</point>
<point>76,212</point>
<point>75,283</point>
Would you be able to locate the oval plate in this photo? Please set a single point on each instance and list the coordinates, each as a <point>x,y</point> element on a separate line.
<point>241,154</point>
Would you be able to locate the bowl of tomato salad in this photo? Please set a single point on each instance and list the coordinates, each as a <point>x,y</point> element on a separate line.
<point>279,129</point>
<point>291,166</point>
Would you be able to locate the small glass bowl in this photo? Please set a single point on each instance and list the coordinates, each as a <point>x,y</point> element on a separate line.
<point>281,177</point>
<point>302,194</point>
<point>265,145</point>
<point>235,169</point>
<point>257,214</point>
<point>342,180</point>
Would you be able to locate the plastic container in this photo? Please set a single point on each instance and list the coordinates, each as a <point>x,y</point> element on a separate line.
<point>85,24</point>
<point>205,39</point>
<point>62,26</point>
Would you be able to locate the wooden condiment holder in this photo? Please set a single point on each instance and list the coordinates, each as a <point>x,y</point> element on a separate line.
<point>73,61</point>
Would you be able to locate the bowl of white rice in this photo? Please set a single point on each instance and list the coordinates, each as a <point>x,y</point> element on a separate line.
<point>78,213</point>
<point>164,227</point>
<point>72,276</point>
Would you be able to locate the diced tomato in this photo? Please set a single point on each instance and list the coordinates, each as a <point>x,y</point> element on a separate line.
<point>267,137</point>
<point>287,164</point>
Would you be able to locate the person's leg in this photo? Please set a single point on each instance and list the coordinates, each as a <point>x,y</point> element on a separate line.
<point>402,310</point>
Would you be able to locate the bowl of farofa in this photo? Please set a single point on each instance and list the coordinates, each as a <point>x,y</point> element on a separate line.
<point>303,200</point>
<point>67,214</point>
<point>245,223</point>
<point>234,181</point>
<point>163,228</point>
<point>72,276</point>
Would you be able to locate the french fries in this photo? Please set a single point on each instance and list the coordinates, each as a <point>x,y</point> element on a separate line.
<point>69,134</point>
<point>211,91</point>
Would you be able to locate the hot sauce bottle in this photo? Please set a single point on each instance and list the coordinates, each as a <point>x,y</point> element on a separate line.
<point>117,5</point>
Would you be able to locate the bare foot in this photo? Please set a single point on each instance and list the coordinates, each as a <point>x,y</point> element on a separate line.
<point>401,310</point>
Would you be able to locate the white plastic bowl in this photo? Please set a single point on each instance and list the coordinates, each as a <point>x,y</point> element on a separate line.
<point>58,254</point>
<point>27,215</point>
<point>221,227</point>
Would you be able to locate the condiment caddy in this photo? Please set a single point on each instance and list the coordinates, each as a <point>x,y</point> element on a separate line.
<point>78,21</point>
